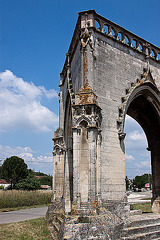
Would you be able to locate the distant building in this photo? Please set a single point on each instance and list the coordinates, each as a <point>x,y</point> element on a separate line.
<point>4,183</point>
<point>46,187</point>
<point>38,177</point>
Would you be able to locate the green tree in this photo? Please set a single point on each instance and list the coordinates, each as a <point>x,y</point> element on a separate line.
<point>29,183</point>
<point>31,172</point>
<point>46,180</point>
<point>140,181</point>
<point>40,174</point>
<point>127,183</point>
<point>14,169</point>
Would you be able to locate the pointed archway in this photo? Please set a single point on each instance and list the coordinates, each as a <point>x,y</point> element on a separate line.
<point>143,105</point>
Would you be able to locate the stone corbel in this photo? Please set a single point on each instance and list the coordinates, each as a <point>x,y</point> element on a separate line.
<point>54,153</point>
<point>121,138</point>
<point>121,135</point>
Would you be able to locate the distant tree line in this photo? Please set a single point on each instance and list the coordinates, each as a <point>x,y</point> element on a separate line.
<point>16,171</point>
<point>139,181</point>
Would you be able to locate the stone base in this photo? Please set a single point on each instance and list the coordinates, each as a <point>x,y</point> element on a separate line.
<point>156,205</point>
<point>91,221</point>
<point>103,226</point>
<point>56,208</point>
<point>135,212</point>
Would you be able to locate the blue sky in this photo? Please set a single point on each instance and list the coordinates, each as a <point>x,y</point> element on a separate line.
<point>34,38</point>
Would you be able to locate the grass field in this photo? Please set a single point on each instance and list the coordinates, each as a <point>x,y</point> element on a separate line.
<point>145,207</point>
<point>28,230</point>
<point>17,199</point>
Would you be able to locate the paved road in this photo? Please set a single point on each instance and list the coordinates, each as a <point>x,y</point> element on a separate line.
<point>139,197</point>
<point>22,215</point>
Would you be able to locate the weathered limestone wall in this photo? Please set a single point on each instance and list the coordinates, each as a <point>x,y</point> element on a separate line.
<point>64,88</point>
<point>76,69</point>
<point>110,65</point>
<point>108,72</point>
<point>83,165</point>
<point>58,175</point>
<point>115,68</point>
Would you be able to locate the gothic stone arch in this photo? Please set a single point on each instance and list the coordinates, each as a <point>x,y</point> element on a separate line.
<point>108,72</point>
<point>143,104</point>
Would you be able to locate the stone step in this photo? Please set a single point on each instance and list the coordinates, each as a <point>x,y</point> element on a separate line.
<point>141,222</point>
<point>141,229</point>
<point>135,212</point>
<point>143,236</point>
<point>59,220</point>
<point>56,226</point>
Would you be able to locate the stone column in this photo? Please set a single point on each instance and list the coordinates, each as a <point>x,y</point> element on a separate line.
<point>92,157</point>
<point>155,157</point>
<point>54,175</point>
<point>76,152</point>
<point>98,190</point>
<point>67,182</point>
<point>58,173</point>
<point>58,166</point>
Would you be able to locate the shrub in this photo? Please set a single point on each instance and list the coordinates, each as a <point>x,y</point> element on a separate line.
<point>18,198</point>
<point>30,183</point>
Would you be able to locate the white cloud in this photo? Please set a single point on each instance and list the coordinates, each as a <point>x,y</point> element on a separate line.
<point>29,157</point>
<point>21,107</point>
<point>129,158</point>
<point>129,119</point>
<point>146,154</point>
<point>130,124</point>
<point>136,136</point>
<point>144,164</point>
<point>48,93</point>
<point>7,151</point>
<point>135,145</point>
<point>45,159</point>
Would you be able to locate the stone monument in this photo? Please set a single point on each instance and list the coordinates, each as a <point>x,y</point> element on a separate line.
<point>109,72</point>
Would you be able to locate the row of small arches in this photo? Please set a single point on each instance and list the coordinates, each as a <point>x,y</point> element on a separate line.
<point>134,43</point>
